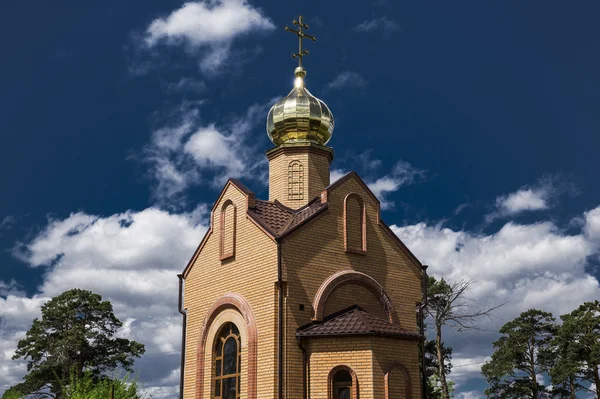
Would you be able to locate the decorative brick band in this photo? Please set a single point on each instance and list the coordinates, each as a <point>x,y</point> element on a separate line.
<point>238,303</point>
<point>345,277</point>
<point>407,380</point>
<point>333,372</point>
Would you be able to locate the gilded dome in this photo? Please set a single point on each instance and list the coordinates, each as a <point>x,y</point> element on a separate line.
<point>300,117</point>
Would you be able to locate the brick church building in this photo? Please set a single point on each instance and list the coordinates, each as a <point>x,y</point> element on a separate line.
<point>308,294</point>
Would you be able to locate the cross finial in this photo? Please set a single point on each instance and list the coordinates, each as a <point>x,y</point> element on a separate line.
<point>301,35</point>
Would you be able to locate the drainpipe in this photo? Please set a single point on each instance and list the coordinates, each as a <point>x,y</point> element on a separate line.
<point>304,364</point>
<point>425,293</point>
<point>182,337</point>
<point>280,324</point>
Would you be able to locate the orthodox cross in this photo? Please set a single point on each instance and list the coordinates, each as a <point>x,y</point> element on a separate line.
<point>301,35</point>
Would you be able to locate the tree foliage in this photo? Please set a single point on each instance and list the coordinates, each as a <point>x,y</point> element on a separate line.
<point>577,351</point>
<point>76,330</point>
<point>522,352</point>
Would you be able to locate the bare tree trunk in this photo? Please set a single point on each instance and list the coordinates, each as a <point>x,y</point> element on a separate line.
<point>572,386</point>
<point>440,357</point>
<point>597,380</point>
<point>534,384</point>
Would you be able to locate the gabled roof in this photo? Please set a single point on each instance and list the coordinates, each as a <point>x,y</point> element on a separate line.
<point>354,321</point>
<point>280,220</point>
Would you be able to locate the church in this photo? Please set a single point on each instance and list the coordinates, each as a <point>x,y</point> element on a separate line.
<point>308,294</point>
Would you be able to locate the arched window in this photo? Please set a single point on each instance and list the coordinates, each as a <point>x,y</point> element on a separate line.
<point>227,226</point>
<point>227,363</point>
<point>295,181</point>
<point>355,224</point>
<point>343,383</point>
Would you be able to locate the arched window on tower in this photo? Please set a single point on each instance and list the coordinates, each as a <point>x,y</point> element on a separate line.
<point>227,232</point>
<point>227,363</point>
<point>355,224</point>
<point>295,180</point>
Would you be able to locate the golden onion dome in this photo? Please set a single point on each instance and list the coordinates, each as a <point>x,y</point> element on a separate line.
<point>300,116</point>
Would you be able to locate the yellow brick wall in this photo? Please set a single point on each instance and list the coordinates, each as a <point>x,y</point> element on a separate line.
<point>353,294</point>
<point>316,251</point>
<point>252,274</point>
<point>327,353</point>
<point>386,351</point>
<point>316,177</point>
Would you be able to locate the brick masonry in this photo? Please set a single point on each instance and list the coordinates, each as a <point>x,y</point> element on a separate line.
<point>238,259</point>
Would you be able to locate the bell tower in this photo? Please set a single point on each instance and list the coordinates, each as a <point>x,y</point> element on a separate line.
<point>300,125</point>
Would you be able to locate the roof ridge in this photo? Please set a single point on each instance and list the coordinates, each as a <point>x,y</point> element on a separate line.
<point>283,207</point>
<point>360,314</point>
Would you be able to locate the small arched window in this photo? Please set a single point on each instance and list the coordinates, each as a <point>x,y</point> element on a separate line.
<point>227,363</point>
<point>227,230</point>
<point>295,180</point>
<point>342,383</point>
<point>355,224</point>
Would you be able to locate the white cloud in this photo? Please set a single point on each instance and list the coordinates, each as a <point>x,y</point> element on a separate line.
<point>336,174</point>
<point>540,196</point>
<point>402,174</point>
<point>592,224</point>
<point>382,23</point>
<point>346,79</point>
<point>525,265</point>
<point>188,152</point>
<point>132,260</point>
<point>469,395</point>
<point>210,25</point>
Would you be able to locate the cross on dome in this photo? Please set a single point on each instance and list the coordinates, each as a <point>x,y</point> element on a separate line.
<point>301,35</point>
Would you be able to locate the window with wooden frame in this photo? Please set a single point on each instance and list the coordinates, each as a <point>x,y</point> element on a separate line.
<point>295,180</point>
<point>227,363</point>
<point>343,383</point>
<point>227,227</point>
<point>355,224</point>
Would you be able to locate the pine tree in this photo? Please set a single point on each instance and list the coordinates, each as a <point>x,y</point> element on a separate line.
<point>522,352</point>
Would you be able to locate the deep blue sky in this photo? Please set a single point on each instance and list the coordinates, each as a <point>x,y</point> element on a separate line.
<point>484,97</point>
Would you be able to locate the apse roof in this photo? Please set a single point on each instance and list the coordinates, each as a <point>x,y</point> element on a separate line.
<point>354,321</point>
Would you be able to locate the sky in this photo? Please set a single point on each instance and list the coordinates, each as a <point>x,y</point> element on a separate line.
<point>475,123</point>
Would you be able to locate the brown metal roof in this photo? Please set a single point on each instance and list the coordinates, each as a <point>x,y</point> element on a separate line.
<point>279,219</point>
<point>354,321</point>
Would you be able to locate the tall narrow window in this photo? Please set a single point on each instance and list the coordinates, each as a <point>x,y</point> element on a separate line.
<point>355,226</point>
<point>295,181</point>
<point>227,227</point>
<point>228,363</point>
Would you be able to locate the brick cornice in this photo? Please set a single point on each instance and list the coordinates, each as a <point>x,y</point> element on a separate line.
<point>300,148</point>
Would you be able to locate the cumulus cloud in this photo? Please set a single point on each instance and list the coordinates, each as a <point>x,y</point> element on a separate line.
<point>346,79</point>
<point>187,152</point>
<point>336,174</point>
<point>208,27</point>
<point>132,260</point>
<point>381,23</point>
<point>525,265</point>
<point>540,196</point>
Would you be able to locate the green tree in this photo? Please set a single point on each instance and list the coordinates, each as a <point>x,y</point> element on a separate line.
<point>88,386</point>
<point>448,305</point>
<point>77,329</point>
<point>578,349</point>
<point>432,368</point>
<point>566,367</point>
<point>522,352</point>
